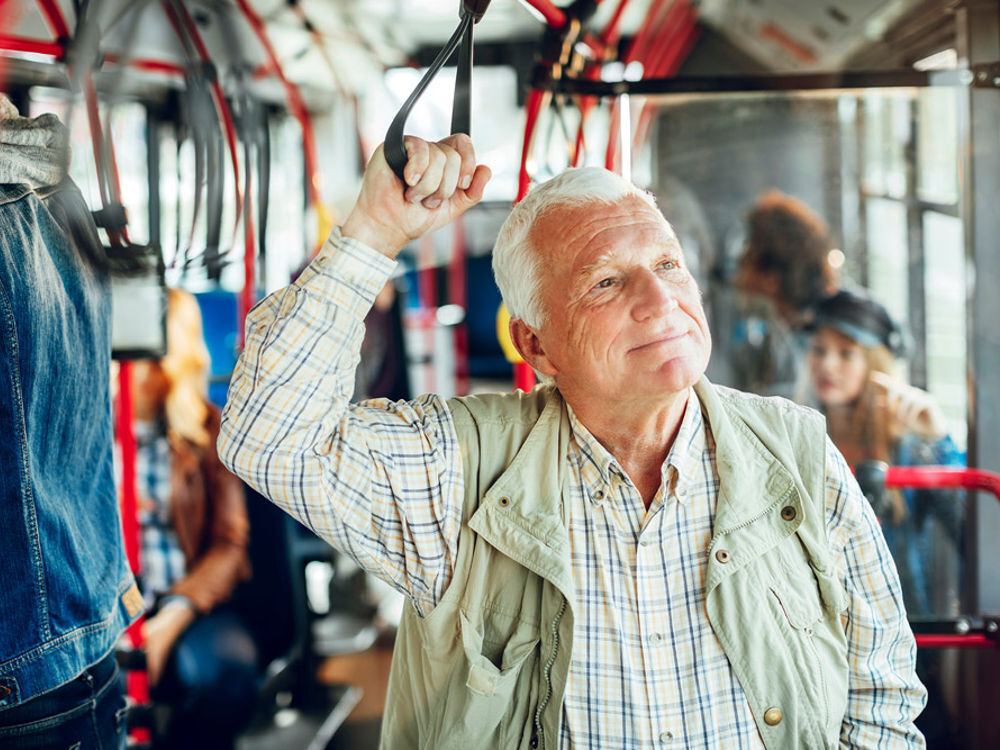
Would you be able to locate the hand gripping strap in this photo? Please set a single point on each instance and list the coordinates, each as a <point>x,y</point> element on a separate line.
<point>395,148</point>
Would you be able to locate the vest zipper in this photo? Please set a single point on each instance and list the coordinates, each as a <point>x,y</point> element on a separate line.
<point>547,672</point>
<point>784,498</point>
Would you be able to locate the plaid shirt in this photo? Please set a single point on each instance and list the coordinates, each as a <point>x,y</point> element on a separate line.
<point>162,559</point>
<point>383,481</point>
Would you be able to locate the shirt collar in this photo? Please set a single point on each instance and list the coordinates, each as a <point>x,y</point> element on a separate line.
<point>686,453</point>
<point>598,467</point>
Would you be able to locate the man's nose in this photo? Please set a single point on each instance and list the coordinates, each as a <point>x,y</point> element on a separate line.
<point>653,296</point>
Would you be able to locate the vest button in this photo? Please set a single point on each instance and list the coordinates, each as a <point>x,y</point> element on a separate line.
<point>722,556</point>
<point>773,716</point>
<point>505,501</point>
<point>788,513</point>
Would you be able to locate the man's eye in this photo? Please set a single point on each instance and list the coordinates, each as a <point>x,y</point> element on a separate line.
<point>604,283</point>
<point>668,265</point>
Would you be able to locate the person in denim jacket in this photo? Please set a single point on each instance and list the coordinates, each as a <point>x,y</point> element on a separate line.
<point>68,593</point>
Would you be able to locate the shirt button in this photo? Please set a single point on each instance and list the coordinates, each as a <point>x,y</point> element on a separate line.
<point>655,638</point>
<point>666,737</point>
<point>645,541</point>
<point>598,495</point>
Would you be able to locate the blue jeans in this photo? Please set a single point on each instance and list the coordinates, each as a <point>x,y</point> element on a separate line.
<point>87,713</point>
<point>210,684</point>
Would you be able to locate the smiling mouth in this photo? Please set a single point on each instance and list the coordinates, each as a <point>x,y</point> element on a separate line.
<point>662,340</point>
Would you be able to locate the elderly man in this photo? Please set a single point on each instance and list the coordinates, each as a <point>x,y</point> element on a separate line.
<point>626,557</point>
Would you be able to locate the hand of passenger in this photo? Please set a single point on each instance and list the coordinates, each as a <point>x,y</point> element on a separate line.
<point>914,409</point>
<point>442,182</point>
<point>161,631</point>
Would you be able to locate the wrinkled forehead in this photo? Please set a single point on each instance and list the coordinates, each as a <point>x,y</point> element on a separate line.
<point>565,226</point>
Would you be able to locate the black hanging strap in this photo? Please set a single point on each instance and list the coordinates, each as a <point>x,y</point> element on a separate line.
<point>470,13</point>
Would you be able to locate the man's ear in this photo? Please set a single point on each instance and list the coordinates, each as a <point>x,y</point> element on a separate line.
<point>530,347</point>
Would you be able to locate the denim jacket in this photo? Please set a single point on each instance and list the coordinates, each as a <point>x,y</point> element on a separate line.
<point>67,592</point>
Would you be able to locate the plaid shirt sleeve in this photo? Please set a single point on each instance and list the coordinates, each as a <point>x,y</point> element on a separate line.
<point>884,694</point>
<point>381,481</point>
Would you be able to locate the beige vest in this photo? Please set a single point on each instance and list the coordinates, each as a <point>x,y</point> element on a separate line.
<point>488,667</point>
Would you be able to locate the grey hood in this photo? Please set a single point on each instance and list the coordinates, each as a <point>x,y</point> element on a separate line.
<point>32,150</point>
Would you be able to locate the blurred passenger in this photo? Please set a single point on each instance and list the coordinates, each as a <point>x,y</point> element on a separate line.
<point>872,414</point>
<point>785,267</point>
<point>201,658</point>
<point>67,592</point>
<point>382,370</point>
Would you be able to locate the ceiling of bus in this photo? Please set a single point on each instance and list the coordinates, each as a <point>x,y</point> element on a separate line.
<point>362,37</point>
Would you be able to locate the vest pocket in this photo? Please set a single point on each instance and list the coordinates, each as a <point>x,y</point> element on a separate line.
<point>485,677</point>
<point>496,694</point>
<point>801,609</point>
<point>803,612</point>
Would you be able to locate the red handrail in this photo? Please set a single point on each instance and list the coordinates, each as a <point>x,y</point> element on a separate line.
<point>942,477</point>
<point>553,15</point>
<point>946,477</point>
<point>972,640</point>
<point>12,43</point>
<point>54,15</point>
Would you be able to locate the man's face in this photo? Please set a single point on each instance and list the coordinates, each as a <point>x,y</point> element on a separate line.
<point>623,315</point>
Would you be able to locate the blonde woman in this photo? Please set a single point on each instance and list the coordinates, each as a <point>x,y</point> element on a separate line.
<point>872,414</point>
<point>193,521</point>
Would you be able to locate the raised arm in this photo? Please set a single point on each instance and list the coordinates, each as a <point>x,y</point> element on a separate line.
<point>381,481</point>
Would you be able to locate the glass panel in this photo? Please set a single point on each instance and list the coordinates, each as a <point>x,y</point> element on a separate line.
<point>887,255</point>
<point>286,232</point>
<point>886,133</point>
<point>937,145</point>
<point>944,282</point>
<point>128,131</point>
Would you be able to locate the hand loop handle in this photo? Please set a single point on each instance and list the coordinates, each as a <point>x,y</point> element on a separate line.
<point>395,148</point>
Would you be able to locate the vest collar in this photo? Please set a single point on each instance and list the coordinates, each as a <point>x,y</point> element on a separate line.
<point>743,461</point>
<point>522,512</point>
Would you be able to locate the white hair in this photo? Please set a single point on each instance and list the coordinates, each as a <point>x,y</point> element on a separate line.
<point>516,260</point>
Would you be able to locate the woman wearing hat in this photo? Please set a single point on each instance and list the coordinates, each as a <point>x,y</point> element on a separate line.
<point>873,415</point>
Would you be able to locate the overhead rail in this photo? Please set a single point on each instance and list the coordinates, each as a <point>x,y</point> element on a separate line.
<point>750,83</point>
